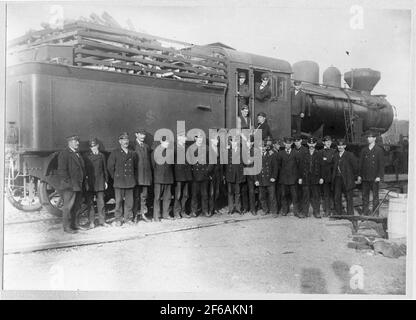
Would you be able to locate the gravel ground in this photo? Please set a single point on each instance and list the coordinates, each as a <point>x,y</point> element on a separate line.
<point>273,255</point>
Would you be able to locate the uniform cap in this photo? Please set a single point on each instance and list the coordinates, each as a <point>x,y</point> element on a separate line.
<point>93,142</point>
<point>297,82</point>
<point>261,114</point>
<point>265,75</point>
<point>123,135</point>
<point>244,107</point>
<point>72,137</point>
<point>268,138</point>
<point>370,133</point>
<point>242,74</point>
<point>287,139</point>
<point>341,142</point>
<point>312,140</point>
<point>141,131</point>
<point>297,137</point>
<point>327,138</point>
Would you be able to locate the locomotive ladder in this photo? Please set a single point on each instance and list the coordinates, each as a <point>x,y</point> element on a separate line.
<point>349,121</point>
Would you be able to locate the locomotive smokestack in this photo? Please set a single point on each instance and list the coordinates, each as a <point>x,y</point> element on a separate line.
<point>363,79</point>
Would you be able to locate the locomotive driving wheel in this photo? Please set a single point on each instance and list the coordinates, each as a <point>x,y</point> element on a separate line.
<point>21,190</point>
<point>51,199</point>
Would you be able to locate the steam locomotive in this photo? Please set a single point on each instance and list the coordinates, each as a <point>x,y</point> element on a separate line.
<point>98,81</point>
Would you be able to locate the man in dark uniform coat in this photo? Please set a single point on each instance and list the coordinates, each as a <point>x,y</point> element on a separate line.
<point>234,176</point>
<point>71,169</point>
<point>216,177</point>
<point>250,183</point>
<point>122,166</point>
<point>327,165</point>
<point>288,164</point>
<point>311,178</point>
<point>144,175</point>
<point>297,106</point>
<point>200,180</point>
<point>343,178</point>
<point>263,126</point>
<point>97,179</point>
<point>371,171</point>
<point>183,178</point>
<point>262,90</point>
<point>163,181</point>
<point>266,180</point>
<point>301,150</point>
<point>277,143</point>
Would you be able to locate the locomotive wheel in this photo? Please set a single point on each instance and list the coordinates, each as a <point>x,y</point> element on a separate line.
<point>24,200</point>
<point>51,199</point>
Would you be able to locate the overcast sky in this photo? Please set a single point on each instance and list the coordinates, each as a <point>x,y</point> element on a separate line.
<point>380,40</point>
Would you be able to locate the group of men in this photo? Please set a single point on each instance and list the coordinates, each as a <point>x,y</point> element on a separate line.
<point>290,174</point>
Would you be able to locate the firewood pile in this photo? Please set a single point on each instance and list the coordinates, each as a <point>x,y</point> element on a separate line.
<point>101,43</point>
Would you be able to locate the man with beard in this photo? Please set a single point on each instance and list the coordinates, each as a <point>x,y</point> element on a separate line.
<point>122,166</point>
<point>71,169</point>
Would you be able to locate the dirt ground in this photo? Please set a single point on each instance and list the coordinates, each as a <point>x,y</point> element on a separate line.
<point>272,255</point>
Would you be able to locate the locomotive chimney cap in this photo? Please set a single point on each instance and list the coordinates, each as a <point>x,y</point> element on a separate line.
<point>72,137</point>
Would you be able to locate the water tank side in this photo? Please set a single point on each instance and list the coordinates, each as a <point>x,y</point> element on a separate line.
<point>306,71</point>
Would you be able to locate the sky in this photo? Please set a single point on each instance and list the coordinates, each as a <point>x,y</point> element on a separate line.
<point>375,38</point>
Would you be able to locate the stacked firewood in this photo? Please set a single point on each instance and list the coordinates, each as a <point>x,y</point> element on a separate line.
<point>101,43</point>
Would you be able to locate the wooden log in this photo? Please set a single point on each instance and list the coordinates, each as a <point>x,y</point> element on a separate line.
<point>145,61</point>
<point>123,65</point>
<point>97,44</point>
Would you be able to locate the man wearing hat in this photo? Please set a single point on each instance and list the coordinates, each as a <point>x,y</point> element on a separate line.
<point>234,176</point>
<point>371,171</point>
<point>343,177</point>
<point>301,150</point>
<point>297,106</point>
<point>266,179</point>
<point>97,179</point>
<point>122,166</point>
<point>262,89</point>
<point>288,167</point>
<point>200,178</point>
<point>71,170</point>
<point>327,164</point>
<point>310,179</point>
<point>183,178</point>
<point>263,126</point>
<point>243,90</point>
<point>277,144</point>
<point>163,181</point>
<point>144,175</point>
<point>249,186</point>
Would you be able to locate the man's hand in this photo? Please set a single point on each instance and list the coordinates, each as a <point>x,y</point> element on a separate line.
<point>359,180</point>
<point>302,115</point>
<point>321,181</point>
<point>272,179</point>
<point>256,183</point>
<point>300,181</point>
<point>378,179</point>
<point>105,185</point>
